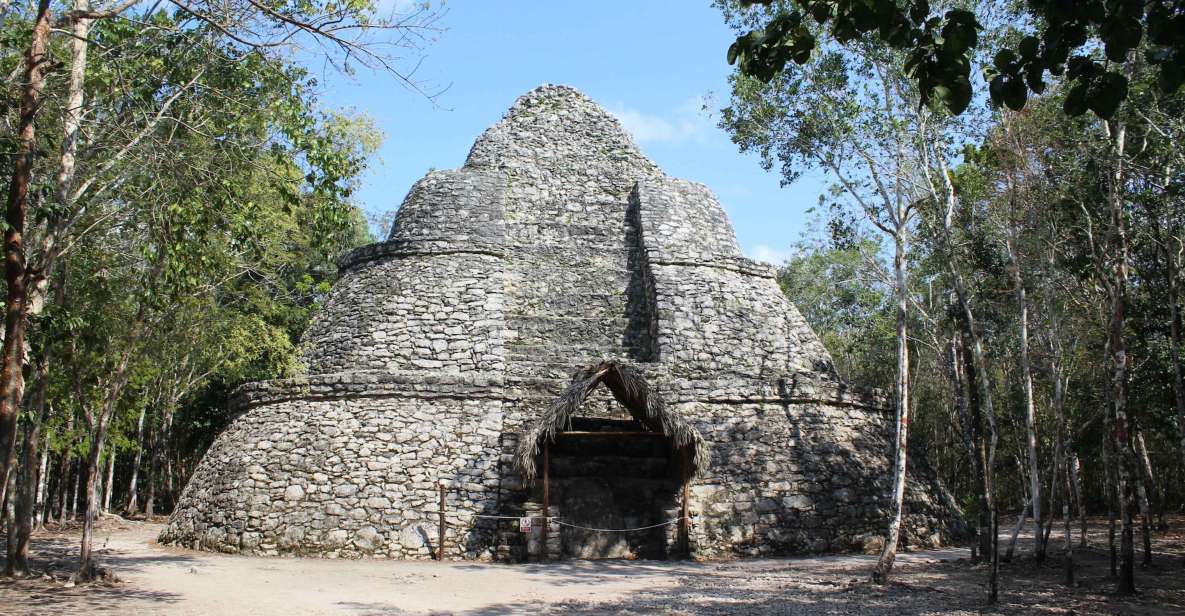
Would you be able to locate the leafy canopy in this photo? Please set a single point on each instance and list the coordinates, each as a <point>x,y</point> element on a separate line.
<point>1066,41</point>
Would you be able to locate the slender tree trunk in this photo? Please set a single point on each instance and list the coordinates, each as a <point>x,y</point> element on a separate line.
<point>1020,524</point>
<point>1142,489</point>
<point>18,541</point>
<point>12,380</point>
<point>132,487</point>
<point>1079,500</point>
<point>86,568</point>
<point>98,428</point>
<point>1117,289</point>
<point>1155,497</point>
<point>109,484</point>
<point>884,565</point>
<point>1068,578</point>
<point>1175,342</point>
<point>153,471</point>
<point>63,486</point>
<point>1029,406</point>
<point>1111,482</point>
<point>984,527</point>
<point>77,474</point>
<point>41,507</point>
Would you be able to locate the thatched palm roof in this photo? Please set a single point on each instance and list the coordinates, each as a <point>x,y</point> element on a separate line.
<point>631,390</point>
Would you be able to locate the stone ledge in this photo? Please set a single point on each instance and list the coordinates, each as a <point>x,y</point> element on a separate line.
<point>790,389</point>
<point>426,247</point>
<point>740,265</point>
<point>367,384</point>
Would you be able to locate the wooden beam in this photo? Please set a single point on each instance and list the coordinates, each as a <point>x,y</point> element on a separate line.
<point>613,434</point>
<point>684,525</point>
<point>546,498</point>
<point>443,523</point>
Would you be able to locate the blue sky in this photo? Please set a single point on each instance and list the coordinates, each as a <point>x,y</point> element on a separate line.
<point>651,63</point>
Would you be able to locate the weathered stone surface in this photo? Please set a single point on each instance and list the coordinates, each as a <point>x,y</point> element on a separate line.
<point>556,245</point>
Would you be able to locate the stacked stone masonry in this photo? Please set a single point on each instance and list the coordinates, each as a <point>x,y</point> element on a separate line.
<point>556,245</point>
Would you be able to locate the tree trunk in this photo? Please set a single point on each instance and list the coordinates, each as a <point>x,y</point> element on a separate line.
<point>12,380</point>
<point>884,565</point>
<point>1020,524</point>
<point>1109,484</point>
<point>77,471</point>
<point>132,488</point>
<point>1075,483</point>
<point>41,506</point>
<point>1117,289</point>
<point>63,485</point>
<point>98,428</point>
<point>153,471</point>
<point>25,510</point>
<point>1029,406</point>
<point>1142,489</point>
<point>109,484</point>
<point>1175,342</point>
<point>86,563</point>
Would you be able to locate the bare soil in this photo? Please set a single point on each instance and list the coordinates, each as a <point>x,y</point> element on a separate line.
<point>155,579</point>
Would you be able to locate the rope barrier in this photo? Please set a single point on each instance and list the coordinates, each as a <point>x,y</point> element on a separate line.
<point>619,530</point>
<point>556,520</point>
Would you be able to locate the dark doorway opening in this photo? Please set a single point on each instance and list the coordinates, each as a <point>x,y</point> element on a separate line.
<point>612,475</point>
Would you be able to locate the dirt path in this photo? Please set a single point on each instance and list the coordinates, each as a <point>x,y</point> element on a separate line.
<point>161,580</point>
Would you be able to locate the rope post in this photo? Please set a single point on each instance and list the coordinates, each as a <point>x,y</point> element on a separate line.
<point>443,525</point>
<point>684,522</point>
<point>546,498</point>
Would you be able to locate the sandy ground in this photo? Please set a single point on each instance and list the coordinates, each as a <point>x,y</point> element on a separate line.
<point>154,579</point>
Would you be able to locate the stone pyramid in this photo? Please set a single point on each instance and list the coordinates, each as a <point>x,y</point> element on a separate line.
<point>557,245</point>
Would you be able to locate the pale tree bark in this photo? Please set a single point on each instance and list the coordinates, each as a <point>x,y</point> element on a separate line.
<point>1020,524</point>
<point>76,473</point>
<point>1076,484</point>
<point>1110,484</point>
<point>884,565</point>
<point>1068,557</point>
<point>948,200</point>
<point>132,487</point>
<point>1144,488</point>
<point>1117,295</point>
<point>41,505</point>
<point>1027,385</point>
<point>109,482</point>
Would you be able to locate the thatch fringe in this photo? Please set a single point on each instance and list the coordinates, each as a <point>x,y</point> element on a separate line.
<point>631,390</point>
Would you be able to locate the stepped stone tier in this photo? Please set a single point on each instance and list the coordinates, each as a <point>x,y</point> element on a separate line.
<point>556,246</point>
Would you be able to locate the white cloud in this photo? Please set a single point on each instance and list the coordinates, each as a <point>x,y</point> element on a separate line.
<point>773,256</point>
<point>686,122</point>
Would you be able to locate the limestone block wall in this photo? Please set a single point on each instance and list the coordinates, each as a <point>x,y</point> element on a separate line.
<point>804,477</point>
<point>348,478</point>
<point>441,312</point>
<point>714,311</point>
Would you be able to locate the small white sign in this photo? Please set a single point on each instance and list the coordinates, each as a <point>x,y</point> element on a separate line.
<point>524,525</point>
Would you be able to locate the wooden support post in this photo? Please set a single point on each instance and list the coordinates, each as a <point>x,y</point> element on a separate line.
<point>684,521</point>
<point>546,498</point>
<point>443,525</point>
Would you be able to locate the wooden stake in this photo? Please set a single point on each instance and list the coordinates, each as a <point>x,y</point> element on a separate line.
<point>546,498</point>
<point>684,527</point>
<point>443,525</point>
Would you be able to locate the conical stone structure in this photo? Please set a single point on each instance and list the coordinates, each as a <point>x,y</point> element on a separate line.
<point>557,245</point>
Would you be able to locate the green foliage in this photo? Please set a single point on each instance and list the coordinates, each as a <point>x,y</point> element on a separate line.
<point>940,45</point>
